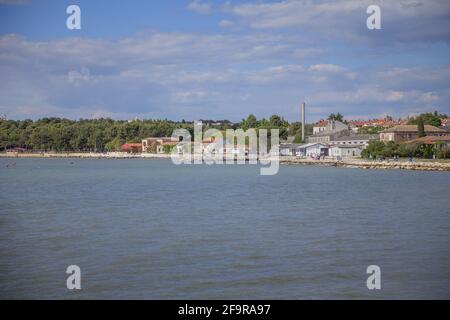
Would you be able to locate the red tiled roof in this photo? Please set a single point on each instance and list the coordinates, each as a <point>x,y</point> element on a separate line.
<point>130,146</point>
<point>429,140</point>
<point>413,128</point>
<point>321,123</point>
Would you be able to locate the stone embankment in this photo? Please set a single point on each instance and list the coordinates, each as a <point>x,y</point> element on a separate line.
<point>369,164</point>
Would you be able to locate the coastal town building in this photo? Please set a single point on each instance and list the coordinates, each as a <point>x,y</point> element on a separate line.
<point>342,147</point>
<point>409,132</point>
<point>333,129</point>
<point>156,145</point>
<point>345,151</point>
<point>387,122</point>
<point>431,140</point>
<point>320,126</point>
<point>289,149</point>
<point>355,139</point>
<point>331,138</point>
<point>312,150</point>
<point>131,147</point>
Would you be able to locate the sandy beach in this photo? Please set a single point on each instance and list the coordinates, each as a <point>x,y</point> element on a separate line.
<point>83,155</point>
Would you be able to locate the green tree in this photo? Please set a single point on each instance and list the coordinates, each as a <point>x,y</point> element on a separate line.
<point>278,122</point>
<point>114,145</point>
<point>249,123</point>
<point>370,130</point>
<point>336,117</point>
<point>420,127</point>
<point>168,148</point>
<point>298,137</point>
<point>374,149</point>
<point>275,121</point>
<point>429,118</point>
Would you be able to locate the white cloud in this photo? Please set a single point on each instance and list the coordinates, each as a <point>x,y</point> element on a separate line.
<point>429,97</point>
<point>199,7</point>
<point>189,96</point>
<point>226,23</point>
<point>395,96</point>
<point>402,21</point>
<point>77,77</point>
<point>180,75</point>
<point>326,68</point>
<point>14,2</point>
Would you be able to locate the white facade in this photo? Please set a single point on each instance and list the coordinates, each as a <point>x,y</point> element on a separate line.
<point>351,142</point>
<point>388,136</point>
<point>288,149</point>
<point>319,129</point>
<point>355,140</point>
<point>312,150</point>
<point>286,152</point>
<point>346,151</point>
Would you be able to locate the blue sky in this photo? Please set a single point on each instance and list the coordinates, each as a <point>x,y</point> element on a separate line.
<point>112,19</point>
<point>223,59</point>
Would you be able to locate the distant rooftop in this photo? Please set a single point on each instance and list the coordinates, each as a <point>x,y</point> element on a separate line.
<point>321,123</point>
<point>429,140</point>
<point>289,145</point>
<point>348,146</point>
<point>357,137</point>
<point>413,128</point>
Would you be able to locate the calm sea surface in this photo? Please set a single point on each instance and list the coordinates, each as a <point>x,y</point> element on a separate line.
<point>150,229</point>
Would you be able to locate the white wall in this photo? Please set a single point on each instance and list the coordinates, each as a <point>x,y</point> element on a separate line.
<point>313,150</point>
<point>345,152</point>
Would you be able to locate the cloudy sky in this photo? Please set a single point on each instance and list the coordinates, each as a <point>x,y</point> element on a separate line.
<point>223,59</point>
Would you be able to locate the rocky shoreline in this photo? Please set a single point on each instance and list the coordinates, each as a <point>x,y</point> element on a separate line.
<point>350,163</point>
<point>368,164</point>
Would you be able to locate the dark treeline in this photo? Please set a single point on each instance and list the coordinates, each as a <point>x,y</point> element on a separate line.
<point>57,134</point>
<point>82,135</point>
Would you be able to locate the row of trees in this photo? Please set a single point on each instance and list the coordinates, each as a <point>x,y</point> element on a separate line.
<point>287,129</point>
<point>379,149</point>
<point>84,135</point>
<point>433,119</point>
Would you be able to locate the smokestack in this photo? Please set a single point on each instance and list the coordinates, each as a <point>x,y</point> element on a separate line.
<point>303,121</point>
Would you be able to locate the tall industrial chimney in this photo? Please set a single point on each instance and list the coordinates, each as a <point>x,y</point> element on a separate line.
<point>303,121</point>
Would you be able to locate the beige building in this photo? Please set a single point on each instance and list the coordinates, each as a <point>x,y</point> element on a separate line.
<point>346,151</point>
<point>430,140</point>
<point>355,139</point>
<point>156,145</point>
<point>332,130</point>
<point>409,132</point>
<point>320,126</point>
